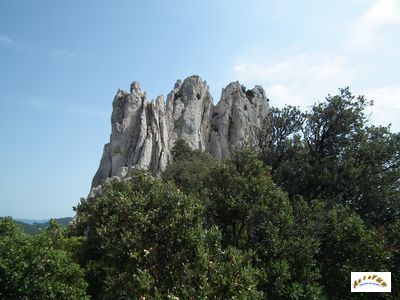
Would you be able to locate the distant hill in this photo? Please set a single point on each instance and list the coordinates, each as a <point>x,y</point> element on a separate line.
<point>32,221</point>
<point>35,226</point>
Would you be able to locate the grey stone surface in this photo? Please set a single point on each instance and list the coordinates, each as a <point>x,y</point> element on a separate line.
<point>143,132</point>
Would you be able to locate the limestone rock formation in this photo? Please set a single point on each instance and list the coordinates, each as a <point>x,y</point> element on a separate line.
<point>143,132</point>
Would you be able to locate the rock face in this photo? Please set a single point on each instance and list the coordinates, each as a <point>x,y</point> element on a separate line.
<point>143,132</point>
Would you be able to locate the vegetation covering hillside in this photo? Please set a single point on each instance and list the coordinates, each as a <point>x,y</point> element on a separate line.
<point>35,228</point>
<point>289,219</point>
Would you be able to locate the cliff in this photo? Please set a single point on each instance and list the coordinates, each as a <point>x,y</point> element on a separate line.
<point>143,132</point>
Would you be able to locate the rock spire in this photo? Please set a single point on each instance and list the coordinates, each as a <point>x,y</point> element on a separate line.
<point>144,132</point>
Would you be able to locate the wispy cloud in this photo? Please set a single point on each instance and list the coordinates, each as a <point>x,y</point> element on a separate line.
<point>298,79</point>
<point>368,29</point>
<point>66,53</point>
<point>69,54</point>
<point>303,79</point>
<point>5,40</point>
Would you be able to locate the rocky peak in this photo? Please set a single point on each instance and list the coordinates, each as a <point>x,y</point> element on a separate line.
<point>135,88</point>
<point>143,133</point>
<point>189,106</point>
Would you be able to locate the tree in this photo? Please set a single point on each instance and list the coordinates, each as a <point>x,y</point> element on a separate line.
<point>256,217</point>
<point>331,153</point>
<point>349,246</point>
<point>189,168</point>
<point>278,134</point>
<point>392,240</point>
<point>145,238</point>
<point>36,267</point>
<point>301,249</point>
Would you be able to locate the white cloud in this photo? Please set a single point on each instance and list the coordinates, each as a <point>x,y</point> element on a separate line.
<point>6,40</point>
<point>368,29</point>
<point>386,107</point>
<point>303,79</point>
<point>297,80</point>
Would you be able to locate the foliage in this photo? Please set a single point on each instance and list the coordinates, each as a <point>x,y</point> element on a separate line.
<point>301,249</point>
<point>189,167</point>
<point>145,239</point>
<point>346,246</point>
<point>393,245</point>
<point>36,228</point>
<point>331,153</point>
<point>318,201</point>
<point>37,267</point>
<point>278,135</point>
<point>254,215</point>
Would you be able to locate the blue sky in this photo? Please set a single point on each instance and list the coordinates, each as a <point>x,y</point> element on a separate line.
<point>61,63</point>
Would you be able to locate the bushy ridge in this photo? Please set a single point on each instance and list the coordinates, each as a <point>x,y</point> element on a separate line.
<point>35,228</point>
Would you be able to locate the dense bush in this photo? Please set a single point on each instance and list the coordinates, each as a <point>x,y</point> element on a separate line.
<point>333,154</point>
<point>37,267</point>
<point>145,238</point>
